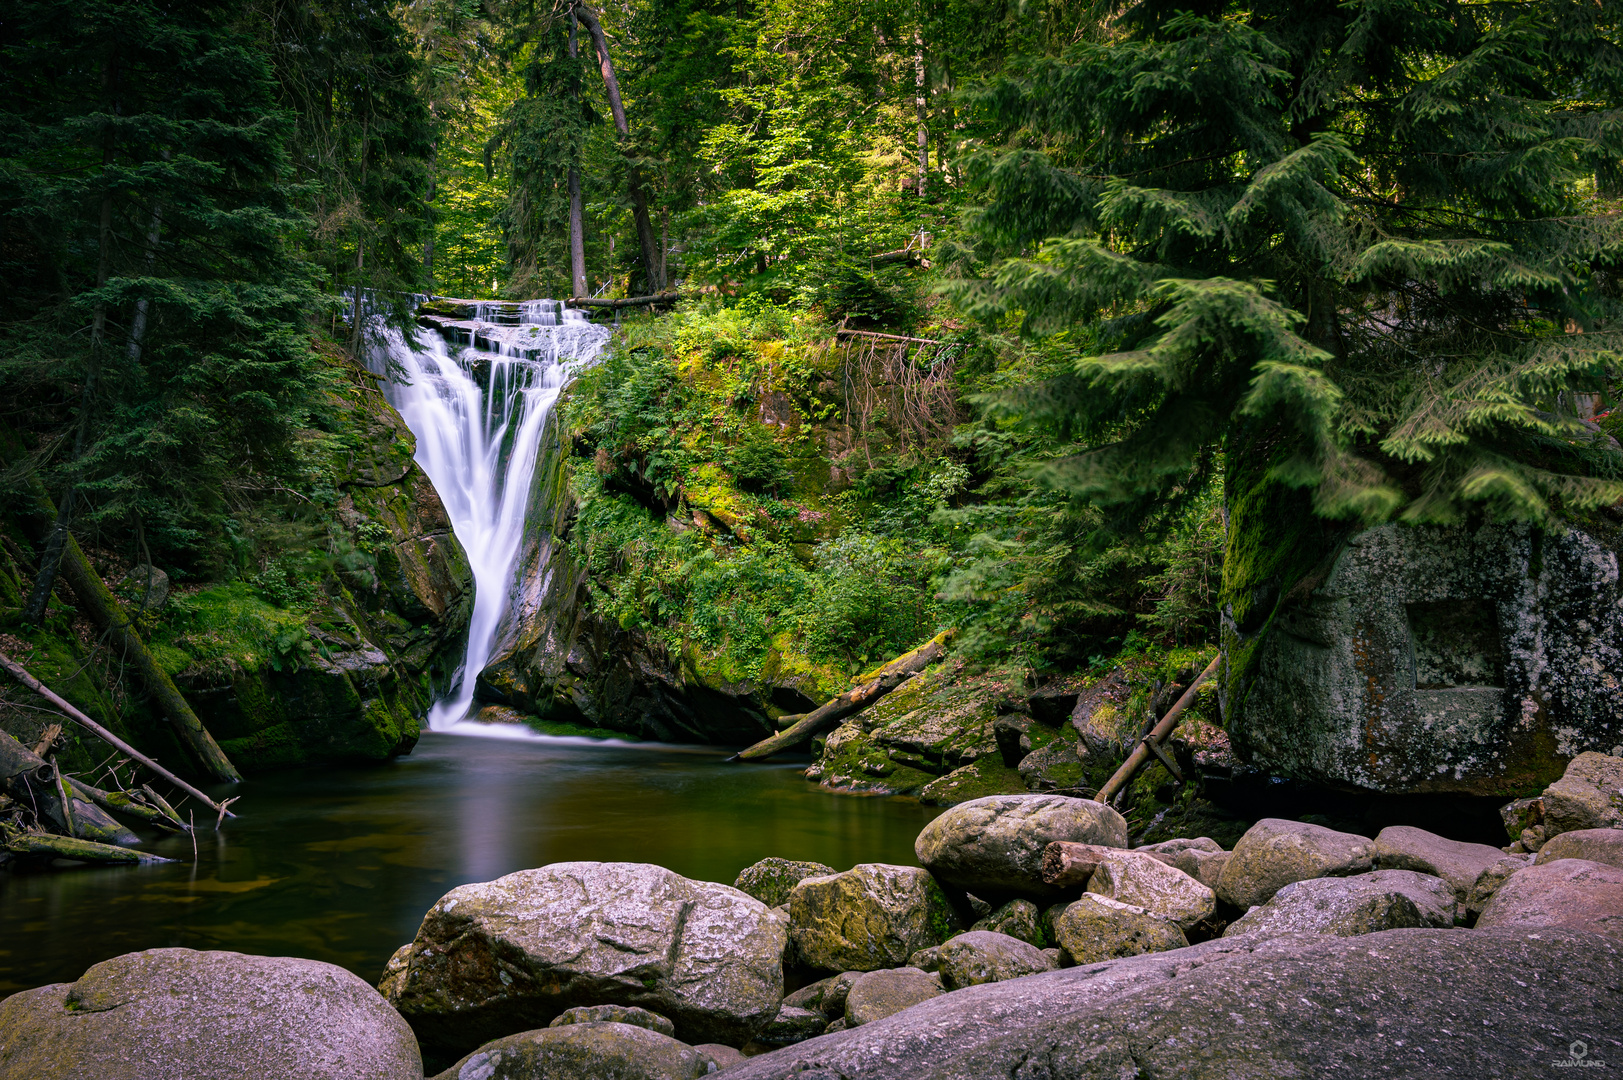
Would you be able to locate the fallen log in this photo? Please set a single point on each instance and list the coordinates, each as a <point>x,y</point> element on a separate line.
<point>870,689</point>
<point>629,301</point>
<point>122,802</point>
<point>1067,863</point>
<point>889,337</point>
<point>1152,742</point>
<point>68,847</point>
<point>20,673</point>
<point>39,785</point>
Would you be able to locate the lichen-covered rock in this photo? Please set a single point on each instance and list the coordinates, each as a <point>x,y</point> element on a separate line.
<point>1489,881</point>
<point>770,880</point>
<point>792,1025</point>
<point>1572,893</point>
<point>1201,857</point>
<point>1145,881</point>
<point>977,780</point>
<point>872,916</point>
<point>1275,852</point>
<point>509,955</point>
<point>1362,904</point>
<point>615,1014</point>
<point>1019,919</point>
<point>1589,794</point>
<point>879,994</point>
<point>1595,845</point>
<point>1461,1004</point>
<point>993,847</point>
<point>1401,847</point>
<point>1098,928</point>
<point>826,996</point>
<point>1059,766</point>
<point>168,1013</point>
<point>590,1051</point>
<point>980,956</point>
<point>1474,661</point>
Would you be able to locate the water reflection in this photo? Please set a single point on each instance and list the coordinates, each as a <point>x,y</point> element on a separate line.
<point>339,864</point>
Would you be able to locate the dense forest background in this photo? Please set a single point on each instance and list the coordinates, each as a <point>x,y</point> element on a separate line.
<point>1205,286</point>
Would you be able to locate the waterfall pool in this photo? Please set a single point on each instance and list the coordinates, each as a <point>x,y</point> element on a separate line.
<point>339,864</point>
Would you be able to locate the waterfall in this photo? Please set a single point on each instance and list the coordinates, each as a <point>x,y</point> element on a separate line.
<point>478,411</point>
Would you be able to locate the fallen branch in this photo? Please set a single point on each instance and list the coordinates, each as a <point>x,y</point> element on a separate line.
<point>20,673</point>
<point>120,802</point>
<point>629,301</point>
<point>1152,742</point>
<point>68,847</point>
<point>890,337</point>
<point>873,687</point>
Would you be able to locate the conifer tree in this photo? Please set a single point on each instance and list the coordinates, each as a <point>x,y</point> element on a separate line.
<point>1355,261</point>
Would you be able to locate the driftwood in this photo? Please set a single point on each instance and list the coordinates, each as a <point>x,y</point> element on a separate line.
<point>1067,864</point>
<point>47,739</point>
<point>19,673</point>
<point>67,847</point>
<point>869,689</point>
<point>1151,743</point>
<point>629,301</point>
<point>39,785</point>
<point>122,802</point>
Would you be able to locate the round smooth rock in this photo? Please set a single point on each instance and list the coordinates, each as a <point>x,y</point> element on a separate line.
<point>993,847</point>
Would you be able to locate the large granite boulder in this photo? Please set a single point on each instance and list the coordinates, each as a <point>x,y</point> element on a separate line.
<point>1473,661</point>
<point>993,847</point>
<point>1363,904</point>
<point>1596,845</point>
<point>879,994</point>
<point>1275,852</point>
<point>770,880</point>
<point>1409,1003</point>
<point>169,1013</point>
<point>1571,893</point>
<point>1589,794</point>
<point>589,1051</point>
<point>872,916</point>
<point>1401,847</point>
<point>1098,928</point>
<point>980,956</point>
<point>508,955</point>
<point>1145,881</point>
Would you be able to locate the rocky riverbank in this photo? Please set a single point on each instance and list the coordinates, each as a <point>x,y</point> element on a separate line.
<point>1030,936</point>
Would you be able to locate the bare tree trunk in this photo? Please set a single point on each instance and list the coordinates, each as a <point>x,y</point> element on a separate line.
<point>433,186</point>
<point>138,325</point>
<point>639,193</point>
<point>577,233</point>
<point>921,101</point>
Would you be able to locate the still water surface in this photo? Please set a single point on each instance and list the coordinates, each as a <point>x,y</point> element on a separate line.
<point>339,864</point>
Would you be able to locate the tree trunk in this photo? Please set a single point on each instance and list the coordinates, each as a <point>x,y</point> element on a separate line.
<point>577,231</point>
<point>433,186</point>
<point>1067,864</point>
<point>65,847</point>
<point>870,689</point>
<point>120,802</point>
<point>921,101</point>
<point>639,193</point>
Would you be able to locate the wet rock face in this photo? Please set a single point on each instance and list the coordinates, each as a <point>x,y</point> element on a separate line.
<point>511,954</point>
<point>1438,660</point>
<point>177,1012</point>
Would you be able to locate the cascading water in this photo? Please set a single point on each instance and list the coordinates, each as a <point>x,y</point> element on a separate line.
<point>478,411</point>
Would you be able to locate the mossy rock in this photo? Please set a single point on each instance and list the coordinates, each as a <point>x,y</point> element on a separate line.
<point>986,776</point>
<point>771,879</point>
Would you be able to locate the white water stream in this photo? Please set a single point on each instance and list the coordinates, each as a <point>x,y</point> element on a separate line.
<point>478,413</point>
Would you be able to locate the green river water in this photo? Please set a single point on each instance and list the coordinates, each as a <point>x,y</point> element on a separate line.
<point>339,864</point>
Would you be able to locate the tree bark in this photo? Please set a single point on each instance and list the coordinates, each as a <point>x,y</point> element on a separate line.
<point>577,230</point>
<point>870,689</point>
<point>66,847</point>
<point>921,101</point>
<point>119,802</point>
<point>639,193</point>
<point>1067,864</point>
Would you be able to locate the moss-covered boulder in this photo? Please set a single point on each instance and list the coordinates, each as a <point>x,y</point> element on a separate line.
<point>872,916</point>
<point>1098,928</point>
<point>771,879</point>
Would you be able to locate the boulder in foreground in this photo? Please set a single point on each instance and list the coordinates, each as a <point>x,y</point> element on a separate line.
<point>1403,847</point>
<point>770,880</point>
<point>1362,904</point>
<point>981,956</point>
<point>1258,1009</point>
<point>1275,852</point>
<point>504,956</point>
<point>872,916</point>
<point>879,994</point>
<point>1098,928</point>
<point>168,1013</point>
<point>589,1051</point>
<point>1573,893</point>
<point>993,847</point>
<point>1159,888</point>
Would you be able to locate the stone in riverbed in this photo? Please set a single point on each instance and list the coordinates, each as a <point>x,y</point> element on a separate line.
<point>590,1051</point>
<point>615,1014</point>
<point>792,1025</point>
<point>993,847</point>
<point>1144,881</point>
<point>1596,845</point>
<point>1201,857</point>
<point>1400,847</point>
<point>872,916</point>
<point>770,880</point>
<point>1489,881</point>
<point>1589,795</point>
<point>1462,1003</point>
<point>509,955</point>
<point>1098,928</point>
<point>1275,852</point>
<point>826,996</point>
<point>168,1013</point>
<point>879,994</point>
<point>1019,919</point>
<point>723,1055</point>
<point>1362,904</point>
<point>1574,894</point>
<point>981,956</point>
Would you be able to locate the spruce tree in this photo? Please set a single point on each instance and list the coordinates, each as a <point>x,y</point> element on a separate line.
<point>1354,261</point>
